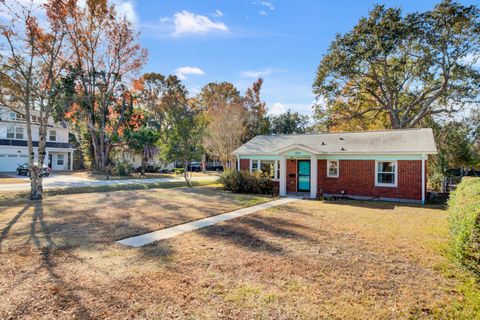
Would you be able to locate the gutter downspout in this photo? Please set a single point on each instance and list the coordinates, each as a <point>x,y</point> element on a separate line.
<point>423,179</point>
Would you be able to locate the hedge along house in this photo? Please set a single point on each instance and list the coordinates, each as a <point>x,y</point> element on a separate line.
<point>371,165</point>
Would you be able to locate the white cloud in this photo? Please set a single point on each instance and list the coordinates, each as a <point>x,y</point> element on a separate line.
<point>269,5</point>
<point>277,109</point>
<point>473,59</point>
<point>127,9</point>
<point>263,13</point>
<point>188,22</point>
<point>184,71</point>
<point>256,73</point>
<point>218,13</point>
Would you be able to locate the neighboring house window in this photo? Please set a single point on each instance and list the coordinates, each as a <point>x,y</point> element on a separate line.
<point>60,159</point>
<point>268,167</point>
<point>14,116</point>
<point>19,133</point>
<point>10,132</point>
<point>53,135</point>
<point>386,173</point>
<point>15,133</point>
<point>332,168</point>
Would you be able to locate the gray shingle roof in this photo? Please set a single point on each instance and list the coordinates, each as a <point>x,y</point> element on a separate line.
<point>365,142</point>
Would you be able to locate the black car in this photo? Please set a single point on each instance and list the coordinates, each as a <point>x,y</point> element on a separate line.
<point>24,169</point>
<point>195,166</point>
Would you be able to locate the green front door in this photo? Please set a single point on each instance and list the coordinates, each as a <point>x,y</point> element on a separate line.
<point>303,175</point>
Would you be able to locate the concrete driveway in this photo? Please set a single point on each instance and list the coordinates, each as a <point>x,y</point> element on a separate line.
<point>56,181</point>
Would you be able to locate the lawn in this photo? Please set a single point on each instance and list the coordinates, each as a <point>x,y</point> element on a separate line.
<point>308,259</point>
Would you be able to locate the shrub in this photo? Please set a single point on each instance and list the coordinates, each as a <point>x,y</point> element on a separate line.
<point>122,168</point>
<point>464,218</point>
<point>178,171</point>
<point>247,182</point>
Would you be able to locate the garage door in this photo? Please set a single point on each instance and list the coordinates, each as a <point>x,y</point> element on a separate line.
<point>10,162</point>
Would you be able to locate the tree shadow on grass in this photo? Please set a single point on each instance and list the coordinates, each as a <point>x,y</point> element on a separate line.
<point>10,224</point>
<point>240,236</point>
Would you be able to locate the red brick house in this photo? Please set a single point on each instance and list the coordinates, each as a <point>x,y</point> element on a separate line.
<point>379,165</point>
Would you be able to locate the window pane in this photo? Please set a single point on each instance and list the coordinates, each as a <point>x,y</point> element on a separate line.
<point>60,159</point>
<point>386,178</point>
<point>10,132</point>
<point>386,166</point>
<point>332,168</point>
<point>278,169</point>
<point>254,165</point>
<point>268,167</point>
<point>53,135</point>
<point>19,133</point>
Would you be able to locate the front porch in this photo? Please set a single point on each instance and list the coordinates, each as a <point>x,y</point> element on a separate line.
<point>294,168</point>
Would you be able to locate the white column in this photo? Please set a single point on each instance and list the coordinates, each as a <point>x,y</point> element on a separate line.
<point>283,176</point>
<point>238,163</point>
<point>71,160</point>
<point>423,179</point>
<point>313,176</point>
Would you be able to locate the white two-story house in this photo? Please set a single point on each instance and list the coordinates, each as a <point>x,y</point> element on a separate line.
<point>13,142</point>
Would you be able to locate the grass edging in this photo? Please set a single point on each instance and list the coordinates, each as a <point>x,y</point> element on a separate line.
<point>23,195</point>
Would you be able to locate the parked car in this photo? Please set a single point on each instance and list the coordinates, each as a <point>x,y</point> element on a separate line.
<point>24,169</point>
<point>195,166</point>
<point>214,167</point>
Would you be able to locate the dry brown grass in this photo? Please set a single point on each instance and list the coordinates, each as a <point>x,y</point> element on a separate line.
<point>6,179</point>
<point>345,260</point>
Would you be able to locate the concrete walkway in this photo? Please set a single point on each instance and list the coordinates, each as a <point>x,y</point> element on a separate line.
<point>71,182</point>
<point>150,237</point>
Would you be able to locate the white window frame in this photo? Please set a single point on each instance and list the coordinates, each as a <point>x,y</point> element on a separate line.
<point>276,164</point>
<point>328,169</point>
<point>50,135</point>
<point>22,132</point>
<point>11,128</point>
<point>62,159</point>
<point>391,185</point>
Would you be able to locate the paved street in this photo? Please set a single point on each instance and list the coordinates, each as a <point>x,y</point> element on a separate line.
<point>67,181</point>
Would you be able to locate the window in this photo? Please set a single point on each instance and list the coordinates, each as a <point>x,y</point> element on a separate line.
<point>53,135</point>
<point>19,133</point>
<point>332,168</point>
<point>10,132</point>
<point>253,165</point>
<point>268,167</point>
<point>14,116</point>
<point>60,159</point>
<point>386,173</point>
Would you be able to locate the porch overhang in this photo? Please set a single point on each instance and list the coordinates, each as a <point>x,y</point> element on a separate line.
<point>296,147</point>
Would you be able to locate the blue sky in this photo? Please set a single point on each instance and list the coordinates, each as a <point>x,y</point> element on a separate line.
<point>237,41</point>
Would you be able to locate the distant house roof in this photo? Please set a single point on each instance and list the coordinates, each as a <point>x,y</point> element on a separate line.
<point>399,141</point>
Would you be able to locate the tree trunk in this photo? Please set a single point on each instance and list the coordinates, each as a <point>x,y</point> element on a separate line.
<point>204,163</point>
<point>144,165</point>
<point>186,174</point>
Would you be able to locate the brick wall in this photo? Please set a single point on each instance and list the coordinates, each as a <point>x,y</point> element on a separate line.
<point>357,178</point>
